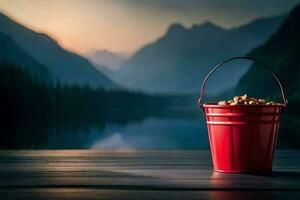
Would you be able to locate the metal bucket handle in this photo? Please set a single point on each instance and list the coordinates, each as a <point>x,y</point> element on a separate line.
<point>200,105</point>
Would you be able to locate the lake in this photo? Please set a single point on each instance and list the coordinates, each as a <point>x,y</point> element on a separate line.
<point>150,133</point>
<point>129,129</point>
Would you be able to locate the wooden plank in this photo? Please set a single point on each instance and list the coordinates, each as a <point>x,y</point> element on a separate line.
<point>155,170</point>
<point>105,194</point>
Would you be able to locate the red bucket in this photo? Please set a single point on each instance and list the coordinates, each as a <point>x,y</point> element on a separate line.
<point>242,137</point>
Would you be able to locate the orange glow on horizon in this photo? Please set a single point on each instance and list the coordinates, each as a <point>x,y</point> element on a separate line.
<point>79,28</point>
<point>126,25</point>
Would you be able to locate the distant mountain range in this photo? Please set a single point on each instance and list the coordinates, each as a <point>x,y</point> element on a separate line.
<point>39,49</point>
<point>281,52</point>
<point>105,58</point>
<point>178,61</point>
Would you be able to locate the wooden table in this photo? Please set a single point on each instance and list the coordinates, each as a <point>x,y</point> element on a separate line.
<point>84,174</point>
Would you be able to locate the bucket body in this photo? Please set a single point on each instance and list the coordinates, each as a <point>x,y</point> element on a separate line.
<point>243,137</point>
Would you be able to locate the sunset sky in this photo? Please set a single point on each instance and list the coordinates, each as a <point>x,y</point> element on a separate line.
<point>126,25</point>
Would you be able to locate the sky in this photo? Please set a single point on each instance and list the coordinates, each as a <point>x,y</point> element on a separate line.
<point>126,25</point>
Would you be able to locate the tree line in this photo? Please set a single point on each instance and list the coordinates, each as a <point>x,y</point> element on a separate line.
<point>30,107</point>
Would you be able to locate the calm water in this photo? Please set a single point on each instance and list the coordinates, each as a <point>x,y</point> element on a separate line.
<point>150,133</point>
<point>131,130</point>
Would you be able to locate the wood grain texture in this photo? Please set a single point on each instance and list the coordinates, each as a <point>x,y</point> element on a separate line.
<point>111,175</point>
<point>111,194</point>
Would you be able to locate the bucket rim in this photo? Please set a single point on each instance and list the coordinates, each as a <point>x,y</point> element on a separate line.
<point>215,105</point>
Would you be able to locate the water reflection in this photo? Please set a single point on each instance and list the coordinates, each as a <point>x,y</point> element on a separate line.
<point>151,133</point>
<point>131,129</point>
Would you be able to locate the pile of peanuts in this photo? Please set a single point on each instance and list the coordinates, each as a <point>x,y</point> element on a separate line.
<point>246,100</point>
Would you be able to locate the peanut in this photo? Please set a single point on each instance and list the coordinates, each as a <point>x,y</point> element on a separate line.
<point>222,103</point>
<point>230,101</point>
<point>246,100</point>
<point>262,101</point>
<point>236,98</point>
<point>244,97</point>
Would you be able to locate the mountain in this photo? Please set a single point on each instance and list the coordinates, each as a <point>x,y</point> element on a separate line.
<point>105,58</point>
<point>145,69</point>
<point>65,66</point>
<point>178,61</point>
<point>281,53</point>
<point>10,52</point>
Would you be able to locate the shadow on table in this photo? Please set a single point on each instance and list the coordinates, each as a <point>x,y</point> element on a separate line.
<point>286,174</point>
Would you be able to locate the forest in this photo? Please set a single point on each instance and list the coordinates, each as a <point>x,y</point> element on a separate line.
<point>30,107</point>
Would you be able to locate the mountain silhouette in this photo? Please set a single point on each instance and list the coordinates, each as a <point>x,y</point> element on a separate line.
<point>106,59</point>
<point>281,53</point>
<point>10,52</point>
<point>178,61</point>
<point>64,66</point>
